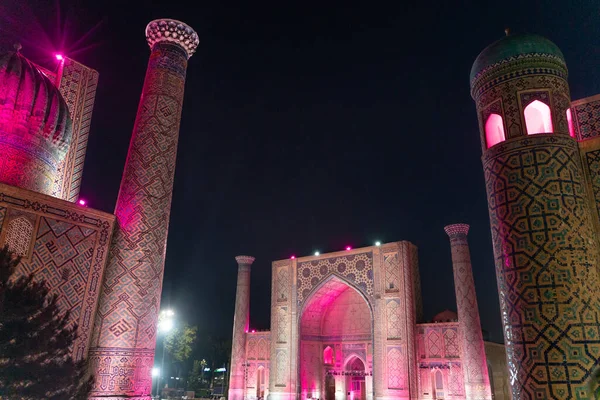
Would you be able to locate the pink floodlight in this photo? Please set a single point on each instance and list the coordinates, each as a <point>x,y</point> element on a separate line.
<point>348,248</point>
<point>59,57</point>
<point>82,202</point>
<point>293,257</point>
<point>253,331</point>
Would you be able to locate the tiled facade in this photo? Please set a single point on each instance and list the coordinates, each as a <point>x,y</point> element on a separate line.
<point>543,192</point>
<point>345,326</point>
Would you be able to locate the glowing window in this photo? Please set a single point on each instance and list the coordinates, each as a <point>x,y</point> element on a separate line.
<point>328,355</point>
<point>538,118</point>
<point>494,130</point>
<point>570,123</point>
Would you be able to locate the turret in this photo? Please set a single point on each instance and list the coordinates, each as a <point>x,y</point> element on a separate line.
<point>543,237</point>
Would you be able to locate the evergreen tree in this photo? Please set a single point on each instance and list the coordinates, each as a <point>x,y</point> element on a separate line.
<point>35,341</point>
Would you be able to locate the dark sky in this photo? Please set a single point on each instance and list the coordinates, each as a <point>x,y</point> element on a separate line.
<point>306,126</point>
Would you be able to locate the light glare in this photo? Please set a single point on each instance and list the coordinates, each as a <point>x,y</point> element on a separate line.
<point>378,243</point>
<point>155,371</point>
<point>59,57</point>
<point>317,253</point>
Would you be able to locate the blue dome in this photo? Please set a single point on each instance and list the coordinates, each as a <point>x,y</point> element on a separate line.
<point>512,46</point>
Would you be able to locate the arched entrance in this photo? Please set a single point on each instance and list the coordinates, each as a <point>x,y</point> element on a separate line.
<point>355,379</point>
<point>336,342</point>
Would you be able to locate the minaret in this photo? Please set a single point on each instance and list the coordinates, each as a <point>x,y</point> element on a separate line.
<point>545,246</point>
<point>122,348</point>
<point>241,321</point>
<point>474,363</point>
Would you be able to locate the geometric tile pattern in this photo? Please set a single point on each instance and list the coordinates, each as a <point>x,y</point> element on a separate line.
<point>396,374</point>
<point>18,235</point>
<point>452,348</point>
<point>392,272</point>
<point>134,274</point>
<point>68,250</point>
<point>241,321</point>
<point>545,252</point>
<point>592,159</point>
<point>586,118</point>
<point>393,319</point>
<point>78,87</point>
<point>357,268</point>
<point>474,364</point>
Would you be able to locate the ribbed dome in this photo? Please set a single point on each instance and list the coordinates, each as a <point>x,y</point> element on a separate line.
<point>512,46</point>
<point>35,127</point>
<point>445,316</point>
<point>31,104</point>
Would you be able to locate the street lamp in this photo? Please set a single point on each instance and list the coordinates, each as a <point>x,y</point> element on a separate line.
<point>166,323</point>
<point>156,374</point>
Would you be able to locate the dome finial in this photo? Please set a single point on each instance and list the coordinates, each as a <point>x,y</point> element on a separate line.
<point>507,31</point>
<point>18,47</point>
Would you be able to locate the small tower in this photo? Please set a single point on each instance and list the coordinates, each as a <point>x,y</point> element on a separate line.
<point>543,237</point>
<point>241,321</point>
<point>122,347</point>
<point>474,363</point>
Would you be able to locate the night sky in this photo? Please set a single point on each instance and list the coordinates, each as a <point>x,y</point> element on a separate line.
<point>306,126</point>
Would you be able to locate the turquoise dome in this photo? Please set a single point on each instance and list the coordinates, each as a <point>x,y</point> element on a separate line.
<point>512,46</point>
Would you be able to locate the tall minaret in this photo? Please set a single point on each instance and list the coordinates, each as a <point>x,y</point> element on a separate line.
<point>545,245</point>
<point>122,348</point>
<point>241,321</point>
<point>474,363</point>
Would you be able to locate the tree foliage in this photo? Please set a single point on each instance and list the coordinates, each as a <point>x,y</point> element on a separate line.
<point>179,342</point>
<point>35,341</point>
<point>196,378</point>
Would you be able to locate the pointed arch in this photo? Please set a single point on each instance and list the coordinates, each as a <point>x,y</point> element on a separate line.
<point>538,118</point>
<point>494,130</point>
<point>570,123</point>
<point>328,356</point>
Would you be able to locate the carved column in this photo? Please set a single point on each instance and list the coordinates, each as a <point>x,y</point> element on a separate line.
<point>122,352</point>
<point>474,363</point>
<point>241,321</point>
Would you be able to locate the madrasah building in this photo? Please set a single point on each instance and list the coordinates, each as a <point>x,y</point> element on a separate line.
<point>343,325</point>
<point>348,325</point>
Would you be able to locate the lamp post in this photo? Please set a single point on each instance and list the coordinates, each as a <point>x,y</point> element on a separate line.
<point>166,323</point>
<point>156,374</point>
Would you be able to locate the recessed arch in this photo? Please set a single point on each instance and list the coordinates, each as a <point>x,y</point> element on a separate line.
<point>334,312</point>
<point>570,123</point>
<point>538,118</point>
<point>494,130</point>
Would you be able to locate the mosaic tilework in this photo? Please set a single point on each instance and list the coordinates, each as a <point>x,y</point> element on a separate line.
<point>357,268</point>
<point>68,250</point>
<point>592,161</point>
<point>128,310</point>
<point>545,250</point>
<point>78,87</point>
<point>474,363</point>
<point>586,117</point>
<point>241,321</point>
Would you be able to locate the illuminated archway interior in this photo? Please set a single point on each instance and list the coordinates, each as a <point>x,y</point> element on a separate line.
<point>538,118</point>
<point>494,130</point>
<point>336,344</point>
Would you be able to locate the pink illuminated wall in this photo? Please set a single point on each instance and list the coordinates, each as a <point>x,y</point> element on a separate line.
<point>538,118</point>
<point>494,130</point>
<point>336,317</point>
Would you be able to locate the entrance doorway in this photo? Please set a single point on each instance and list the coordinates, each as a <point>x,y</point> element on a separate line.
<point>355,379</point>
<point>335,335</point>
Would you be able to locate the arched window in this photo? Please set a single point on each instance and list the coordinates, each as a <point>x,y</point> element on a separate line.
<point>328,355</point>
<point>570,123</point>
<point>538,118</point>
<point>494,130</point>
